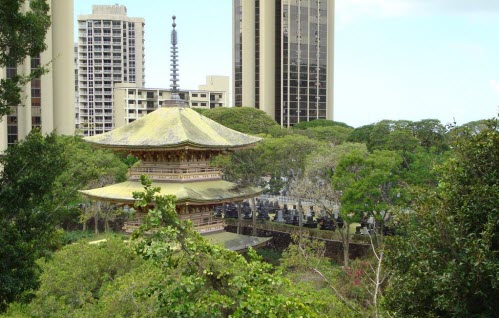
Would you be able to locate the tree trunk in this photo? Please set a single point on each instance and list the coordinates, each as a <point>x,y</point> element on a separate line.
<point>96,218</point>
<point>300,217</point>
<point>239,217</point>
<point>96,222</point>
<point>253,213</point>
<point>106,222</point>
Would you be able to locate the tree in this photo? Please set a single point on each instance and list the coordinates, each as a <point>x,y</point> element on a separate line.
<point>285,157</point>
<point>472,127</point>
<point>28,213</point>
<point>281,158</point>
<point>81,275</point>
<point>317,185</point>
<point>88,167</point>
<point>247,120</point>
<point>369,183</point>
<point>174,272</point>
<point>320,123</point>
<point>201,279</point>
<point>431,134</point>
<point>446,263</point>
<point>21,35</point>
<point>332,134</point>
<point>361,134</point>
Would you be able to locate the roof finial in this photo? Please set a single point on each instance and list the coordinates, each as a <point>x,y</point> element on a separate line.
<point>174,56</point>
<point>175,100</point>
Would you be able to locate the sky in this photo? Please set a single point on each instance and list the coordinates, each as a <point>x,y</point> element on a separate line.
<point>394,59</point>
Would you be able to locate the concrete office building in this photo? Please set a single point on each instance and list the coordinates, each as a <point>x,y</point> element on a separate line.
<point>283,58</point>
<point>131,103</point>
<point>49,100</point>
<point>110,51</point>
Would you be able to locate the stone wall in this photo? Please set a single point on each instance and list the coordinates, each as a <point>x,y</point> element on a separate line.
<point>281,240</point>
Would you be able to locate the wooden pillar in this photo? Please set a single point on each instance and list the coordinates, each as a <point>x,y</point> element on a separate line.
<point>253,214</point>
<point>239,216</point>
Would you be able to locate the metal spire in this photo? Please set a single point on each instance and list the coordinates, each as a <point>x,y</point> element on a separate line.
<point>174,60</point>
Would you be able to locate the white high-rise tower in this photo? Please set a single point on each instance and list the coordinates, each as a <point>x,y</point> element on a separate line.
<point>110,50</point>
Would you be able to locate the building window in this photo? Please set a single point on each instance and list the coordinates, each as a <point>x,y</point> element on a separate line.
<point>203,95</point>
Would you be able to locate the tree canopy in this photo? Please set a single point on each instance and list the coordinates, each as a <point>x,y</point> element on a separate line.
<point>320,123</point>
<point>247,120</point>
<point>39,186</point>
<point>446,263</point>
<point>21,35</point>
<point>28,213</point>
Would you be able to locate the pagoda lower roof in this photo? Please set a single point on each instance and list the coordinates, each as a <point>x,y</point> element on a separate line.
<point>195,193</point>
<point>173,128</point>
<point>235,242</point>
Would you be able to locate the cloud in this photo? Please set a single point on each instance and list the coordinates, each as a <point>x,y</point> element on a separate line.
<point>457,6</point>
<point>349,10</point>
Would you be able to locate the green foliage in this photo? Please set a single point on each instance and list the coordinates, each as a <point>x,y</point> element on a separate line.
<point>28,213</point>
<point>277,157</point>
<point>128,295</point>
<point>392,135</point>
<point>71,237</point>
<point>270,255</point>
<point>320,123</point>
<point>79,275</point>
<point>38,190</point>
<point>203,280</point>
<point>87,167</point>
<point>286,156</point>
<point>419,171</point>
<point>21,35</point>
<point>368,183</point>
<point>361,134</point>
<point>431,134</point>
<point>245,167</point>
<point>470,128</point>
<point>447,263</point>
<point>247,120</point>
<point>128,159</point>
<point>332,134</point>
<point>403,135</point>
<point>314,275</point>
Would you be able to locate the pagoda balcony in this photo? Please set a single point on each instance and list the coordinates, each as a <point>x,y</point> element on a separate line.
<point>175,175</point>
<point>204,222</point>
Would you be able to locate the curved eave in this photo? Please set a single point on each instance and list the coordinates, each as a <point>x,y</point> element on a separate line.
<point>191,193</point>
<point>170,128</point>
<point>180,146</point>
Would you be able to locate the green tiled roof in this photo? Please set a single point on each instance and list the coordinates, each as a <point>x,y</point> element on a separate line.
<point>192,192</point>
<point>170,128</point>
<point>235,242</point>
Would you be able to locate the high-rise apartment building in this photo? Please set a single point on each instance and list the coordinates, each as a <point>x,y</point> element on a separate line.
<point>131,103</point>
<point>283,58</point>
<point>110,50</point>
<point>48,100</point>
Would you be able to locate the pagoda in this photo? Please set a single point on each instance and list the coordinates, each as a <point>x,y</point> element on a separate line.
<point>175,146</point>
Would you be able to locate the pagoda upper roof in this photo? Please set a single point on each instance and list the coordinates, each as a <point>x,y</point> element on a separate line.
<point>173,128</point>
<point>204,192</point>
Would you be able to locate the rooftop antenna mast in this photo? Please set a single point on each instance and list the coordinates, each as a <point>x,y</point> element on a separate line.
<point>174,59</point>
